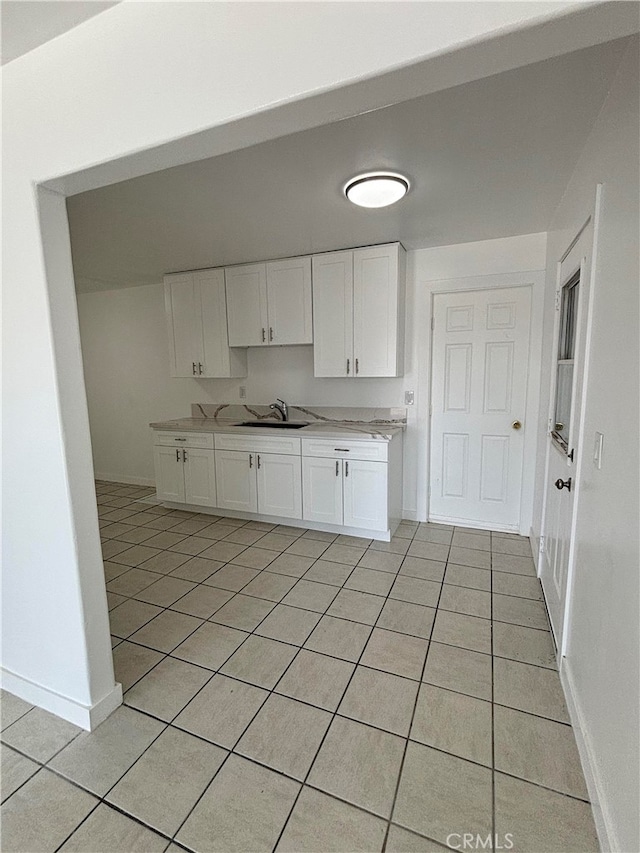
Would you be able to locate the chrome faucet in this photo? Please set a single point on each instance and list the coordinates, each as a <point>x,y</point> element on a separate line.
<point>282,407</point>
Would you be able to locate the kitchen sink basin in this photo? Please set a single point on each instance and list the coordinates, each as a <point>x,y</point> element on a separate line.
<point>274,424</point>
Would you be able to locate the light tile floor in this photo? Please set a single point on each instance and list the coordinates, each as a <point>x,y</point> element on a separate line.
<point>292,690</point>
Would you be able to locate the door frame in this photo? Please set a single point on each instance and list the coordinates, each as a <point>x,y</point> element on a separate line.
<point>592,219</point>
<point>535,280</point>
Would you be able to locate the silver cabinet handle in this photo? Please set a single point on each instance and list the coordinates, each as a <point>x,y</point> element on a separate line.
<point>346,469</point>
<point>177,455</point>
<point>258,460</point>
<point>251,460</point>
<point>193,368</point>
<point>357,367</point>
<point>337,468</point>
<point>348,366</point>
<point>184,455</point>
<point>200,368</point>
<point>270,333</point>
<point>264,336</point>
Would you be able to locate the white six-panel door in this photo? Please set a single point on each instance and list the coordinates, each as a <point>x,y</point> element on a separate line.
<point>479,381</point>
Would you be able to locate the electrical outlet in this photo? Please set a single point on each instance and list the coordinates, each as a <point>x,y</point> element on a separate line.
<point>243,392</point>
<point>409,398</point>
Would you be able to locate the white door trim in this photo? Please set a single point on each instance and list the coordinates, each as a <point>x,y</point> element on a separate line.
<point>582,450</point>
<point>534,279</point>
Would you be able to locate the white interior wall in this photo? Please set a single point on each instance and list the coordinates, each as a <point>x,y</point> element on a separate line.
<point>124,343</point>
<point>104,93</point>
<point>602,665</point>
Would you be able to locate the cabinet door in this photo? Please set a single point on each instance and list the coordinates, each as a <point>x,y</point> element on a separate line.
<point>236,480</point>
<point>279,485</point>
<point>183,325</point>
<point>365,495</point>
<point>377,303</point>
<point>199,477</point>
<point>322,489</point>
<point>289,301</point>
<point>247,318</point>
<point>333,314</point>
<point>169,474</point>
<point>217,359</point>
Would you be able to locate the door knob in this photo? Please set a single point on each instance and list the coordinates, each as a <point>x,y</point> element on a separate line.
<point>563,484</point>
<point>516,425</point>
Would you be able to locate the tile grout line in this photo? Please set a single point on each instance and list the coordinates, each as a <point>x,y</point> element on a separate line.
<point>415,705</point>
<point>269,693</point>
<point>335,714</point>
<point>322,614</point>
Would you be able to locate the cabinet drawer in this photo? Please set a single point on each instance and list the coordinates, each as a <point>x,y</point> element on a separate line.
<point>336,448</point>
<point>183,439</point>
<point>287,445</point>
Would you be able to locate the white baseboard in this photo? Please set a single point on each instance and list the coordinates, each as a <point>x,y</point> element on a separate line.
<point>535,549</point>
<point>85,716</point>
<point>122,478</point>
<point>601,816</point>
<point>361,532</point>
<point>410,515</point>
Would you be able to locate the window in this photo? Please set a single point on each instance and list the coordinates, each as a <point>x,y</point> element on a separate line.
<point>565,361</point>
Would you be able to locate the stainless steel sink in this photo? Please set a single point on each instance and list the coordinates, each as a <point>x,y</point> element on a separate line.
<point>274,424</point>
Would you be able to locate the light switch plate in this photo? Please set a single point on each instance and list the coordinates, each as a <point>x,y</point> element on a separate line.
<point>243,392</point>
<point>409,398</point>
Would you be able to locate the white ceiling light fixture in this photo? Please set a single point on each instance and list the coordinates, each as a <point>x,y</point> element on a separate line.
<point>376,189</point>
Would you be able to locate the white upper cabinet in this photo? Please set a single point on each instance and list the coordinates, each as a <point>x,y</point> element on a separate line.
<point>378,310</point>
<point>358,308</point>
<point>333,314</point>
<point>289,301</point>
<point>185,344</point>
<point>247,305</point>
<point>270,304</point>
<point>195,306</point>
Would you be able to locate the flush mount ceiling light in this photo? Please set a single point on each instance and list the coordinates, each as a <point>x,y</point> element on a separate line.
<point>376,189</point>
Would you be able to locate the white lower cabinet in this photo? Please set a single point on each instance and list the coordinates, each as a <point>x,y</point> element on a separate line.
<point>353,484</point>
<point>350,492</point>
<point>236,480</point>
<point>279,485</point>
<point>268,483</point>
<point>322,488</point>
<point>199,477</point>
<point>169,474</point>
<point>185,475</point>
<point>365,491</point>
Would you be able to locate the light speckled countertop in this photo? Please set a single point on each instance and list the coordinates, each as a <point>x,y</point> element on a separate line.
<point>334,429</point>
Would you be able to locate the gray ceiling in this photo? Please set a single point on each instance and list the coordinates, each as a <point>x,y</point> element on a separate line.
<point>488,159</point>
<point>26,24</point>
